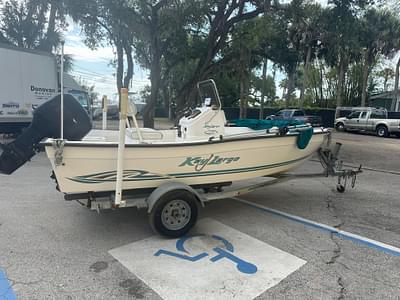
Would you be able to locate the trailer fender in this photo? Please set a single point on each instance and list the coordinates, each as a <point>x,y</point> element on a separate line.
<point>168,187</point>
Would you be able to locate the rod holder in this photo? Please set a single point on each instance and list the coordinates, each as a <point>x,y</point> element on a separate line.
<point>105,108</point>
<point>121,147</point>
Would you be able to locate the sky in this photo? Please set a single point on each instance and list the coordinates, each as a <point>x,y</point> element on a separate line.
<point>93,66</point>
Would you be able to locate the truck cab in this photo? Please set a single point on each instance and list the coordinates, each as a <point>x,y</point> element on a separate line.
<point>296,114</point>
<point>82,97</point>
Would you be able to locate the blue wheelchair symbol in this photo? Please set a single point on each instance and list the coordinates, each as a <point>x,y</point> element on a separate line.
<point>227,253</point>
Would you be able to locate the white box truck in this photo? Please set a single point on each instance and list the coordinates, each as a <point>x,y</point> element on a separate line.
<point>28,78</point>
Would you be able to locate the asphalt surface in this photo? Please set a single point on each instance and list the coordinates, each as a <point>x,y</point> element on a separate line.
<point>53,249</point>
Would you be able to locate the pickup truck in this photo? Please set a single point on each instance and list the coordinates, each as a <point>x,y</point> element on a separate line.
<point>296,114</point>
<point>369,119</point>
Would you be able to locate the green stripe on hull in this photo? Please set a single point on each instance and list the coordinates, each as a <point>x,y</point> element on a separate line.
<point>140,175</point>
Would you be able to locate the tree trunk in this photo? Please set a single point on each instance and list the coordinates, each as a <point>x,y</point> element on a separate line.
<point>365,74</point>
<point>166,93</point>
<point>187,94</point>
<point>264,79</point>
<point>274,72</point>
<point>32,8</point>
<point>120,67</point>
<point>290,87</point>
<point>396,91</point>
<point>155,72</point>
<point>340,83</point>
<point>305,77</point>
<point>219,30</point>
<point>155,79</point>
<point>316,92</point>
<point>284,89</point>
<point>321,86</point>
<point>49,41</point>
<point>246,93</point>
<point>129,60</point>
<point>242,99</point>
<point>385,80</point>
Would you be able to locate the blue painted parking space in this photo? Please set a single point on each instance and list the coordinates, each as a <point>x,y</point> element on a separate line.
<point>6,290</point>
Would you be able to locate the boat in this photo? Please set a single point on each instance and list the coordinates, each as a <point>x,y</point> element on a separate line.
<point>170,172</point>
<point>201,151</point>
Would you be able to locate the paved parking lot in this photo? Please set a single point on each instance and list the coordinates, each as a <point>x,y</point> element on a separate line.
<point>53,249</point>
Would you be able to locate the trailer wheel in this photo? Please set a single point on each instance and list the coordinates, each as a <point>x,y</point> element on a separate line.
<point>340,188</point>
<point>174,213</point>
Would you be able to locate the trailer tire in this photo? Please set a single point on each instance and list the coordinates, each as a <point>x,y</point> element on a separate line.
<point>340,188</point>
<point>174,213</point>
<point>382,131</point>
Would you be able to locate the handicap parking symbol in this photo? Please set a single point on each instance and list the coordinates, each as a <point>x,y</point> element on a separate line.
<point>218,253</point>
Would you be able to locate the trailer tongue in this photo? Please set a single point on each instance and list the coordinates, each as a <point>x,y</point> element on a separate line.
<point>45,123</point>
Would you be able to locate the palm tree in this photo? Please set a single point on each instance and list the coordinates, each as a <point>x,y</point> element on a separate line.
<point>396,93</point>
<point>379,34</point>
<point>340,38</point>
<point>32,24</point>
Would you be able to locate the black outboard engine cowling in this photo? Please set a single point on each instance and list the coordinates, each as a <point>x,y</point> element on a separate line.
<point>45,124</point>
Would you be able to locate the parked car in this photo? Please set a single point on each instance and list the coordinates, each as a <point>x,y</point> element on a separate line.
<point>296,114</point>
<point>113,108</point>
<point>369,119</point>
<point>112,112</point>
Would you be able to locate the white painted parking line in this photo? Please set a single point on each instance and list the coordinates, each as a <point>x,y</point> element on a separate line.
<point>340,233</point>
<point>214,262</point>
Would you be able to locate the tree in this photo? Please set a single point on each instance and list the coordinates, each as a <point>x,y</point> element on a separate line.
<point>282,46</point>
<point>396,91</point>
<point>220,18</point>
<point>378,33</point>
<point>310,32</point>
<point>160,28</point>
<point>244,45</point>
<point>34,24</point>
<point>263,87</point>
<point>105,21</point>
<point>339,37</point>
<point>266,87</point>
<point>387,74</point>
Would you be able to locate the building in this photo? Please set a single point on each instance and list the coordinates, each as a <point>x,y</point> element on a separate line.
<point>384,99</point>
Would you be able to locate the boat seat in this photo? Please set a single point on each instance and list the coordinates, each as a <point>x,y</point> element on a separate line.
<point>147,134</point>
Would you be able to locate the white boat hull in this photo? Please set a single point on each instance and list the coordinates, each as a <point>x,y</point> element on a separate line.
<point>91,167</point>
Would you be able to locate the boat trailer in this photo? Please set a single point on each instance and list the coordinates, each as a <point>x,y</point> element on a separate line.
<point>173,206</point>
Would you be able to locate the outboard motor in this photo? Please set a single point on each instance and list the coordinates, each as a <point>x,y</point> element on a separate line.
<point>45,124</point>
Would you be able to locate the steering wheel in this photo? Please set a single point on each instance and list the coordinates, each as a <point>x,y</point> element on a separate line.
<point>187,112</point>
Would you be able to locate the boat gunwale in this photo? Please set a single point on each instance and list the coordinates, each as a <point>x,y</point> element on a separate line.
<point>92,144</point>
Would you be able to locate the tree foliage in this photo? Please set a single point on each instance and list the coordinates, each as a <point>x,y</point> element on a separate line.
<point>34,24</point>
<point>328,54</point>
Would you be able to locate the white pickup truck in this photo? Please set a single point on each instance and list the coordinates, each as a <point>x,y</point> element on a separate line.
<point>369,119</point>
